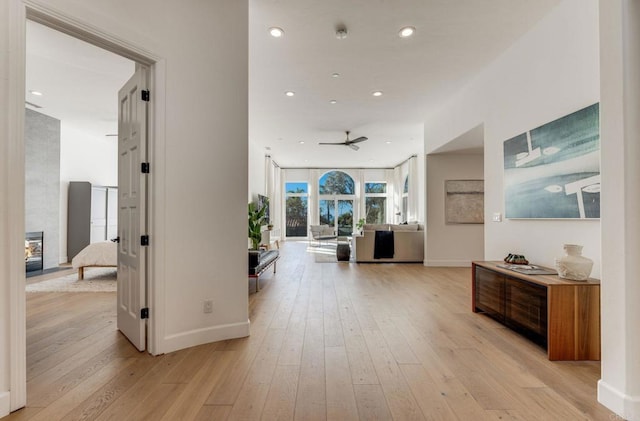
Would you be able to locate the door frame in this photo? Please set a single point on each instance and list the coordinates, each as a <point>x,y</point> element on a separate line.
<point>19,11</point>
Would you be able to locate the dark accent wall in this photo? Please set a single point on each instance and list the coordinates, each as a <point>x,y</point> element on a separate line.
<point>42,178</point>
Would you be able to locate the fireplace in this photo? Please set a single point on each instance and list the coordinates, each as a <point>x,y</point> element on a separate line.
<point>33,251</point>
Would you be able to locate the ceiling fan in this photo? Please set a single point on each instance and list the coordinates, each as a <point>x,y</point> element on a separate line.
<point>347,142</point>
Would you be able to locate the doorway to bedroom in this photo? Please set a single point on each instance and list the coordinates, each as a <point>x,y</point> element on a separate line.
<point>71,158</point>
<point>71,184</point>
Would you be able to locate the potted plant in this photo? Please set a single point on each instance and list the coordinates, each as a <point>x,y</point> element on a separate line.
<point>256,220</point>
<point>359,225</point>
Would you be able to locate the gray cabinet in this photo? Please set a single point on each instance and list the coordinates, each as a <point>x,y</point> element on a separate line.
<point>92,215</point>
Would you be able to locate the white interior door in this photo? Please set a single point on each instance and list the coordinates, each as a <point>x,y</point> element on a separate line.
<point>132,151</point>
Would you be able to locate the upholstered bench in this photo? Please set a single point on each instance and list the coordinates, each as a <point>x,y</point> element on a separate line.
<point>260,261</point>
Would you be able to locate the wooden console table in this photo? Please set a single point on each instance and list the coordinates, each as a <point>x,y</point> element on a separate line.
<point>561,315</point>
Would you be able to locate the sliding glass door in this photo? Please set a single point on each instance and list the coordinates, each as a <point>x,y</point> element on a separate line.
<point>345,217</point>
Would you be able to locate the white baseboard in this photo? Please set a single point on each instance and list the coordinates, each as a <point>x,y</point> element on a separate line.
<point>625,406</point>
<point>204,336</point>
<point>448,263</point>
<point>5,403</point>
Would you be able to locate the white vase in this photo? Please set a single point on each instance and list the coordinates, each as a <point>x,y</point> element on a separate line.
<point>573,265</point>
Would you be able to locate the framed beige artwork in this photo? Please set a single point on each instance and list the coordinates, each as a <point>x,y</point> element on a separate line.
<point>464,201</point>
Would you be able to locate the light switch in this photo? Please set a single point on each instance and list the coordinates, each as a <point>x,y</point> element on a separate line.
<point>497,217</point>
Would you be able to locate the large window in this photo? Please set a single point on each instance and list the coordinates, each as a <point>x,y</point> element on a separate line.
<point>297,200</point>
<point>336,182</point>
<point>375,203</point>
<point>335,204</point>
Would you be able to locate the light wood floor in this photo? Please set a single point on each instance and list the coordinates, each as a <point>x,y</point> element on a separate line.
<point>336,341</point>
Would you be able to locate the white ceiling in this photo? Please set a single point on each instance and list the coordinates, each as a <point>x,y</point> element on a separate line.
<point>79,81</point>
<point>454,39</point>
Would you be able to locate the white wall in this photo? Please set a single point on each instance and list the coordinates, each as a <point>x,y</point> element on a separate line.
<point>548,73</point>
<point>199,162</point>
<point>451,245</point>
<point>12,211</point>
<point>83,157</point>
<point>619,388</point>
<point>256,172</point>
<point>6,258</point>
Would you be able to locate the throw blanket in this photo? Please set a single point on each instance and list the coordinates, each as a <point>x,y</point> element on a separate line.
<point>383,245</point>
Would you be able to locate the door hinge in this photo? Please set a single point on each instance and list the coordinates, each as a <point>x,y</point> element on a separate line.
<point>146,95</point>
<point>145,167</point>
<point>144,313</point>
<point>144,240</point>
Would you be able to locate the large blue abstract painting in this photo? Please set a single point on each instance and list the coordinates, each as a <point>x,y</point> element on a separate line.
<point>553,171</point>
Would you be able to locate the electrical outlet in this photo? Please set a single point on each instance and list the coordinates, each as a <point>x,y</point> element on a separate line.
<point>207,306</point>
<point>497,217</point>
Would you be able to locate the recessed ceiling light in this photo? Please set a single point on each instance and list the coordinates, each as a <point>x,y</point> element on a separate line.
<point>407,31</point>
<point>36,93</point>
<point>289,93</point>
<point>333,101</point>
<point>388,142</point>
<point>335,74</point>
<point>341,32</point>
<point>301,142</point>
<point>377,93</point>
<point>276,32</point>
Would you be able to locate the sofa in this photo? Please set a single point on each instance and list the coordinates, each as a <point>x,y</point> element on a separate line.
<point>408,243</point>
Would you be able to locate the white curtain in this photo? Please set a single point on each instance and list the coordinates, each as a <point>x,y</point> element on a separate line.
<point>391,196</point>
<point>398,184</point>
<point>273,190</point>
<point>278,218</point>
<point>413,205</point>
<point>314,177</point>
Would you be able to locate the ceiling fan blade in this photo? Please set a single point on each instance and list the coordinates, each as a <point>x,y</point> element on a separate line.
<point>325,143</point>
<point>359,139</point>
<point>354,147</point>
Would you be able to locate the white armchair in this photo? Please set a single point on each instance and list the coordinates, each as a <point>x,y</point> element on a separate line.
<point>322,232</point>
